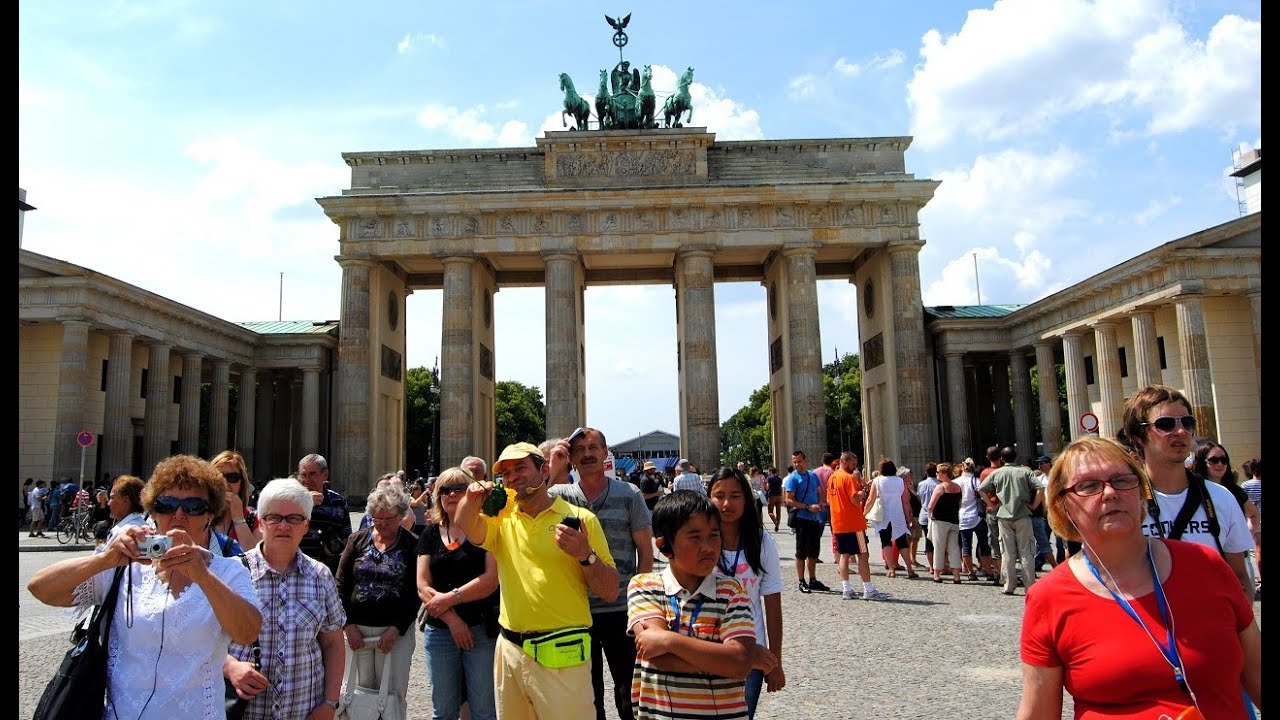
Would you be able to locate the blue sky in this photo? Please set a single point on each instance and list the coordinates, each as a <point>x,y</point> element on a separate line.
<point>180,146</point>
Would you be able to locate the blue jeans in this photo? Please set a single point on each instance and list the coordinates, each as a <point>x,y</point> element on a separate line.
<point>755,680</point>
<point>447,664</point>
<point>1040,528</point>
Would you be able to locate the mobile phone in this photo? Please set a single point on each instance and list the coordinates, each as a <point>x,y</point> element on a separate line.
<point>572,521</point>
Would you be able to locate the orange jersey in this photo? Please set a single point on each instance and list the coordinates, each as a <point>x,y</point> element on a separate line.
<point>846,511</point>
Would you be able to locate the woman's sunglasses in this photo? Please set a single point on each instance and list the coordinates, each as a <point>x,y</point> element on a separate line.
<point>232,477</point>
<point>1216,460</point>
<point>168,505</point>
<point>453,490</point>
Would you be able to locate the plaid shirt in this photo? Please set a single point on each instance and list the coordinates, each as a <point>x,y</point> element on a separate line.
<point>296,606</point>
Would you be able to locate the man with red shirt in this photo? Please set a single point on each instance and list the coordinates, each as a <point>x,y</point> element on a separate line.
<point>845,495</point>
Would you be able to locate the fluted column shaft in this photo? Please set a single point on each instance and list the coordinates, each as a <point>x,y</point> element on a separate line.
<point>457,361</point>
<point>699,378</point>
<point>117,433</point>
<point>350,464</point>
<point>563,287</point>
<point>219,407</point>
<point>1000,397</point>
<point>1255,313</point>
<point>1050,415</point>
<point>264,442</point>
<point>1077,385</point>
<point>911,360</point>
<point>189,405</point>
<point>1146,349</point>
<point>155,431</point>
<point>1193,347</point>
<point>72,363</point>
<point>804,348</point>
<point>310,411</point>
<point>958,406</point>
<point>1107,365</point>
<point>1021,378</point>
<point>245,404</point>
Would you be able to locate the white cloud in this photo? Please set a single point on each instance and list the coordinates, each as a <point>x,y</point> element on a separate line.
<point>1020,66</point>
<point>1156,208</point>
<point>803,86</point>
<point>891,59</point>
<point>469,126</point>
<point>411,43</point>
<point>846,68</point>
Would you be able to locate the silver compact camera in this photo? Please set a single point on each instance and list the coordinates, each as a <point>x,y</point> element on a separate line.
<point>155,546</point>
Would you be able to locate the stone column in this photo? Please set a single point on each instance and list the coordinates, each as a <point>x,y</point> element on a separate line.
<point>117,435</point>
<point>282,456</point>
<point>72,363</point>
<point>1146,349</point>
<point>245,401</point>
<point>350,464</point>
<point>699,379</point>
<point>1050,414</point>
<point>1255,313</point>
<point>1000,398</point>
<point>911,359</point>
<point>155,431</point>
<point>1022,405</point>
<point>1194,352</point>
<point>457,361</point>
<point>1077,388</point>
<point>295,431</point>
<point>263,441</point>
<point>563,287</point>
<point>957,406</point>
<point>189,407</point>
<point>1107,365</point>
<point>219,404</point>
<point>808,408</point>
<point>310,411</point>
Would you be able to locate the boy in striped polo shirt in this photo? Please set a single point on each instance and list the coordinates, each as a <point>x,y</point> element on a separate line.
<point>695,637</point>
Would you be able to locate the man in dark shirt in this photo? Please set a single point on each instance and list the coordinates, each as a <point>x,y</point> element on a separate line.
<point>649,485</point>
<point>330,519</point>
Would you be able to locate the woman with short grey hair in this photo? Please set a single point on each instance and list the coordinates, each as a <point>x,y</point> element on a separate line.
<point>377,582</point>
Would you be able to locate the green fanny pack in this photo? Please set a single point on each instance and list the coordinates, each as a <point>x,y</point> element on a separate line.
<point>560,648</point>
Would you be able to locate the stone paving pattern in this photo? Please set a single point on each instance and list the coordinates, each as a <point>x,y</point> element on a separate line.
<point>932,650</point>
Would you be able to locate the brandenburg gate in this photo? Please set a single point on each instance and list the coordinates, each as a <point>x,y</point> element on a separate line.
<point>601,207</point>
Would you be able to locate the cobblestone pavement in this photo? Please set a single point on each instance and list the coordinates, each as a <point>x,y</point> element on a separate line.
<point>932,650</point>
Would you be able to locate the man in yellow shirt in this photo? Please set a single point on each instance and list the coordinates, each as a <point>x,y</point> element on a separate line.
<point>549,553</point>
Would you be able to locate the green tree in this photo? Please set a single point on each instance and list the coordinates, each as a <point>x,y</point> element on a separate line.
<point>422,419</point>
<point>520,413</point>
<point>746,436</point>
<point>842,390</point>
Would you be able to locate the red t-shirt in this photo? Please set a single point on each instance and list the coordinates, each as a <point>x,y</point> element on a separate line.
<point>846,515</point>
<point>1113,670</point>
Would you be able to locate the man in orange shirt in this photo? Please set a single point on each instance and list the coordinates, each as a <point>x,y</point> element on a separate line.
<point>845,495</point>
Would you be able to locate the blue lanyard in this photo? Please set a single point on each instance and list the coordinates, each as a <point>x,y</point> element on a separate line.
<point>693,616</point>
<point>732,569</point>
<point>1170,652</point>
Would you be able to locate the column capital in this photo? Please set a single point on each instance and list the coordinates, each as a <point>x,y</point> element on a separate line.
<point>1102,323</point>
<point>696,251</point>
<point>123,334</point>
<point>566,254</point>
<point>75,321</point>
<point>1045,342</point>
<point>457,259</point>
<point>798,249</point>
<point>949,354</point>
<point>901,246</point>
<point>347,261</point>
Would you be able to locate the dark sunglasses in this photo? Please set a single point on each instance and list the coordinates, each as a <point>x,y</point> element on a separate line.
<point>232,477</point>
<point>168,505</point>
<point>1169,423</point>
<point>453,489</point>
<point>1216,460</point>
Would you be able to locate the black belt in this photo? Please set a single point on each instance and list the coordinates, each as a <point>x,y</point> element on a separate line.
<point>518,637</point>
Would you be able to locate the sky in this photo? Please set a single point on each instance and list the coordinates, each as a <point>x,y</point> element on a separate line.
<point>181,146</point>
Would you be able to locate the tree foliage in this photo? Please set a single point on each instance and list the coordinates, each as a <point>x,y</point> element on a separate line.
<point>521,413</point>
<point>422,419</point>
<point>746,436</point>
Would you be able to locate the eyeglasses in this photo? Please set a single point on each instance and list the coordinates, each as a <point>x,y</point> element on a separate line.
<point>168,505</point>
<point>276,518</point>
<point>232,477</point>
<point>1119,483</point>
<point>1216,460</point>
<point>391,519</point>
<point>1168,423</point>
<point>453,490</point>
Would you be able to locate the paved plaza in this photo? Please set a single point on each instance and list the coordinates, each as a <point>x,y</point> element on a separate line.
<point>932,650</point>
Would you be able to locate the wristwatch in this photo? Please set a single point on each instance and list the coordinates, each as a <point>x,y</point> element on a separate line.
<point>591,559</point>
<point>332,703</point>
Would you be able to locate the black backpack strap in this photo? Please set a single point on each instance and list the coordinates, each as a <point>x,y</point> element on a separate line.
<point>1197,493</point>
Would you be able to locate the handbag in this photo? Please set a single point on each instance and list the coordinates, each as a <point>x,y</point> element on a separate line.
<point>79,688</point>
<point>363,703</point>
<point>875,513</point>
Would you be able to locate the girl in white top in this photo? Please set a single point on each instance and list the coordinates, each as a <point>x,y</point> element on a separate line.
<point>750,555</point>
<point>895,528</point>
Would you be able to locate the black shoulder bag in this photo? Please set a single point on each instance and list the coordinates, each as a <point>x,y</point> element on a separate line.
<point>79,688</point>
<point>237,705</point>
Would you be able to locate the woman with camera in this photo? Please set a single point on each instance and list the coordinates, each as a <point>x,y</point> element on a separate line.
<point>179,605</point>
<point>301,649</point>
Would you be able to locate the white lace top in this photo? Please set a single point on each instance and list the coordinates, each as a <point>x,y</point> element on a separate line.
<point>169,663</point>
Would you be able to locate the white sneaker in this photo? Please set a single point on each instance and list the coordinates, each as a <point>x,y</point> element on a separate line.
<point>875,595</point>
<point>850,594</point>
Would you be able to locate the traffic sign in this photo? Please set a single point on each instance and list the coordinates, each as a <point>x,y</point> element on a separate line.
<point>84,439</point>
<point>1089,422</point>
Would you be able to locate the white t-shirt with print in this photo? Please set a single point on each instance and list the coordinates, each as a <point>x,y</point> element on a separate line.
<point>1233,531</point>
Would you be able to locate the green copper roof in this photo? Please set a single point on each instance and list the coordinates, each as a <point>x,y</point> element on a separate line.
<point>292,327</point>
<point>968,312</point>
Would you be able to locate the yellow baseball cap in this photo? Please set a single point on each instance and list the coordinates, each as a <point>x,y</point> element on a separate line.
<point>516,451</point>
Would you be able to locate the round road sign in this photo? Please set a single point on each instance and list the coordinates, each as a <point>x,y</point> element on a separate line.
<point>1089,422</point>
<point>84,439</point>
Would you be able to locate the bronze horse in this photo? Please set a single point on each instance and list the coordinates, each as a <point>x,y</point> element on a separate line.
<point>574,104</point>
<point>680,102</point>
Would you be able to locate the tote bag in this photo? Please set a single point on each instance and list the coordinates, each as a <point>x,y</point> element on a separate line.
<point>365,703</point>
<point>875,513</point>
<point>79,688</point>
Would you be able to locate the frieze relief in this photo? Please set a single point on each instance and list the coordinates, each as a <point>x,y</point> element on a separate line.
<point>404,228</point>
<point>370,228</point>
<point>627,163</point>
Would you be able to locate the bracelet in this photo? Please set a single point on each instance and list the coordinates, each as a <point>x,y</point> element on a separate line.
<point>457,594</point>
<point>241,521</point>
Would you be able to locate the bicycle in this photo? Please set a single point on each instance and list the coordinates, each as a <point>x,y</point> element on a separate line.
<point>76,526</point>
